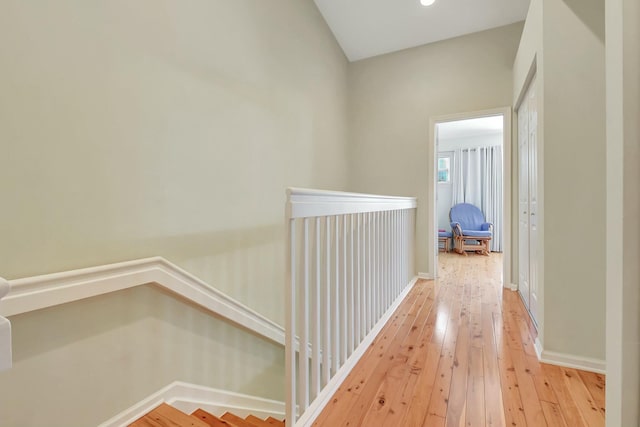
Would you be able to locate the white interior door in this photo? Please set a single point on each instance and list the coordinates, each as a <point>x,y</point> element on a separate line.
<point>528,200</point>
<point>533,200</point>
<point>523,201</point>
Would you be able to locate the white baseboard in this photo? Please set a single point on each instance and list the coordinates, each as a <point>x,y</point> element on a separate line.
<point>427,276</point>
<point>569,360</point>
<point>537,345</point>
<point>316,407</point>
<point>189,397</point>
<point>511,286</point>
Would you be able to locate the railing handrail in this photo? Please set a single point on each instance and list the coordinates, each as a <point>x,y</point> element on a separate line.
<point>308,203</point>
<point>47,290</point>
<point>349,264</point>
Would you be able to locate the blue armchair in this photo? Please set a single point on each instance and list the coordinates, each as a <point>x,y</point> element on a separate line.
<point>470,230</point>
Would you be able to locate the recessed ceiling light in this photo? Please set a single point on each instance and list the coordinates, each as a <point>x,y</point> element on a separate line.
<point>427,2</point>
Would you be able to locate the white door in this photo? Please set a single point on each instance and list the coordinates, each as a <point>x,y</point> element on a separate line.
<point>523,201</point>
<point>528,200</point>
<point>533,201</point>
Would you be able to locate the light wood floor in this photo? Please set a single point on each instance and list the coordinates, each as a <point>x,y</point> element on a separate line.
<point>459,352</point>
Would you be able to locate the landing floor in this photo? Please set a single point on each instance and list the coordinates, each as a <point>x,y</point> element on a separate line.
<point>459,351</point>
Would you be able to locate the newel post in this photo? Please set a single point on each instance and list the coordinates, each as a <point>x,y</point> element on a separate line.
<point>5,331</point>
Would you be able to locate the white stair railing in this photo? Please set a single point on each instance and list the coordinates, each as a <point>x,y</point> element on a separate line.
<point>350,261</point>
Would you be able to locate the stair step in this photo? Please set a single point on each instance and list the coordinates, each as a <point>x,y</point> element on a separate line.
<point>275,422</point>
<point>211,419</point>
<point>257,421</point>
<point>239,422</point>
<point>167,416</point>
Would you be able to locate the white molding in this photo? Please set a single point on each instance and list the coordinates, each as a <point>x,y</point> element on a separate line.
<point>569,360</point>
<point>426,276</point>
<point>512,286</point>
<point>321,401</point>
<point>48,290</point>
<point>5,287</point>
<point>306,203</point>
<point>189,397</point>
<point>537,345</point>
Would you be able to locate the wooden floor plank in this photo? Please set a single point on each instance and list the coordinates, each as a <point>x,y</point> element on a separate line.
<point>553,414</point>
<point>568,406</point>
<point>349,391</point>
<point>434,421</point>
<point>460,352</point>
<point>475,416</point>
<point>368,382</point>
<point>440,395</point>
<point>583,399</point>
<point>513,407</point>
<point>596,385</point>
<point>494,412</point>
<point>457,402</point>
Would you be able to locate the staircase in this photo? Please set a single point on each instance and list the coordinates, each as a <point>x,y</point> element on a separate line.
<point>168,416</point>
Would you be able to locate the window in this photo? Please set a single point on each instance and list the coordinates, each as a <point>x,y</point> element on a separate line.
<point>444,169</point>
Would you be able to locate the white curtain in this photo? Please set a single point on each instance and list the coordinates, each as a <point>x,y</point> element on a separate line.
<point>477,179</point>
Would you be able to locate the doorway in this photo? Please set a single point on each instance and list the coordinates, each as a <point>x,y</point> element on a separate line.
<point>472,159</point>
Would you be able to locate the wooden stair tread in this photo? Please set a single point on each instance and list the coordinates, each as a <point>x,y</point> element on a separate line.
<point>167,416</point>
<point>211,419</point>
<point>239,422</point>
<point>275,422</point>
<point>258,422</point>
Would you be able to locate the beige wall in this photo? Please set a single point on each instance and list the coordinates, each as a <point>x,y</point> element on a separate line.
<point>623,212</point>
<point>574,190</point>
<point>78,364</point>
<point>133,129</point>
<point>566,38</point>
<point>392,98</point>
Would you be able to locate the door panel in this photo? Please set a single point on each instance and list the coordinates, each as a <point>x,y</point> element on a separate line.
<point>523,202</point>
<point>533,201</point>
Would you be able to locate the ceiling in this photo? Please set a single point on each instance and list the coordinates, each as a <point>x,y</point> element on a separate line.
<point>470,128</point>
<point>366,28</point>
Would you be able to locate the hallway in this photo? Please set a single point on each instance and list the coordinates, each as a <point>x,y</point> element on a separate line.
<point>459,351</point>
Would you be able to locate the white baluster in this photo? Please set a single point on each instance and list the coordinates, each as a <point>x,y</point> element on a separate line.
<point>345,291</point>
<point>350,290</point>
<point>327,304</point>
<point>290,324</point>
<point>357,303</point>
<point>303,360</point>
<point>335,307</point>
<point>315,316</point>
<point>370,289</point>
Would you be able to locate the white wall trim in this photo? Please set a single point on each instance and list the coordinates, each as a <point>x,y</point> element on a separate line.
<point>48,290</point>
<point>426,276</point>
<point>537,345</point>
<point>569,360</point>
<point>189,397</point>
<point>316,407</point>
<point>512,286</point>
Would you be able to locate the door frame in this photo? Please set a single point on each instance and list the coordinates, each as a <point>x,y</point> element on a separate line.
<point>432,241</point>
